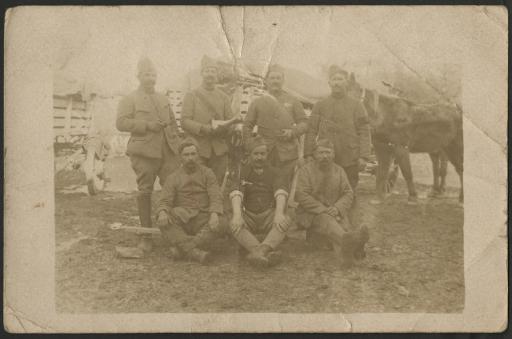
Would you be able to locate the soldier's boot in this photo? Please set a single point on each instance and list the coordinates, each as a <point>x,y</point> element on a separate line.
<point>273,239</point>
<point>144,207</point>
<point>345,246</point>
<point>202,257</point>
<point>362,238</point>
<point>257,257</point>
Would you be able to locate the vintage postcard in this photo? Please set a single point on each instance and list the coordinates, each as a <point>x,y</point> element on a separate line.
<point>255,169</point>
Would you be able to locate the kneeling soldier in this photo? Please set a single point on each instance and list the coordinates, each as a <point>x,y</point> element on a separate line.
<point>189,209</point>
<point>263,194</point>
<point>325,198</point>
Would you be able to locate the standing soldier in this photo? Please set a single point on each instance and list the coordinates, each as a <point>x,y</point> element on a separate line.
<point>325,199</point>
<point>344,121</point>
<point>262,192</point>
<point>154,140</point>
<point>201,107</point>
<point>280,120</point>
<point>190,207</point>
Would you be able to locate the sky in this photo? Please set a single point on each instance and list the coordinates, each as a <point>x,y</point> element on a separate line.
<point>102,45</point>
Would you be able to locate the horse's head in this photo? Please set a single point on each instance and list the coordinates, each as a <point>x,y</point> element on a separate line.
<point>387,111</point>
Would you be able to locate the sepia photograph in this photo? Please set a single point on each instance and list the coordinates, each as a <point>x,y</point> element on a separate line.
<point>259,160</point>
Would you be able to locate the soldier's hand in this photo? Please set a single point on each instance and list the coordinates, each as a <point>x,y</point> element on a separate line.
<point>162,219</point>
<point>237,222</point>
<point>332,211</point>
<point>155,126</point>
<point>213,223</point>
<point>362,164</point>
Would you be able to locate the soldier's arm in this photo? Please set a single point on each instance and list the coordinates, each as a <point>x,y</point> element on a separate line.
<point>125,121</point>
<point>344,203</point>
<point>312,131</point>
<point>165,204</point>
<point>301,121</point>
<point>214,192</point>
<point>363,131</point>
<point>187,118</point>
<point>304,197</point>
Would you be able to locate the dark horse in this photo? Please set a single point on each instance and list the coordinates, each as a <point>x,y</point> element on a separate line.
<point>400,127</point>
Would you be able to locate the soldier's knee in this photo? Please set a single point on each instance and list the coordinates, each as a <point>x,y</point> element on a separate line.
<point>284,226</point>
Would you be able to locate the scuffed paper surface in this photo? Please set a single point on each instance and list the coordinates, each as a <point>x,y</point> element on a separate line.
<point>40,40</point>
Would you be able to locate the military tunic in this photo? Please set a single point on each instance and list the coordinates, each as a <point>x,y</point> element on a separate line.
<point>188,200</point>
<point>316,192</point>
<point>151,153</point>
<point>272,114</point>
<point>344,121</point>
<point>200,107</point>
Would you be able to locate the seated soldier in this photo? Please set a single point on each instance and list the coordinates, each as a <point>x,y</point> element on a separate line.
<point>189,209</point>
<point>325,197</point>
<point>258,200</point>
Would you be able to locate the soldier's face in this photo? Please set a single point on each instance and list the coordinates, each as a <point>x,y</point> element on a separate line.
<point>274,81</point>
<point>338,83</point>
<point>259,156</point>
<point>210,75</point>
<point>147,79</point>
<point>324,156</point>
<point>190,157</point>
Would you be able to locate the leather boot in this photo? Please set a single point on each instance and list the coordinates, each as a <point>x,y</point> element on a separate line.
<point>273,256</point>
<point>200,256</point>
<point>345,248</point>
<point>144,207</point>
<point>362,238</point>
<point>257,257</point>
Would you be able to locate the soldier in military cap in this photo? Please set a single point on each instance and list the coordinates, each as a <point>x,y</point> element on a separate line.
<point>154,140</point>
<point>259,198</point>
<point>201,108</point>
<point>325,198</point>
<point>190,210</point>
<point>344,121</point>
<point>280,119</point>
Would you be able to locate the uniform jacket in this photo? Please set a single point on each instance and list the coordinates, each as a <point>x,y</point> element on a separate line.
<point>271,115</point>
<point>188,194</point>
<point>133,113</point>
<point>197,115</point>
<point>344,121</point>
<point>316,191</point>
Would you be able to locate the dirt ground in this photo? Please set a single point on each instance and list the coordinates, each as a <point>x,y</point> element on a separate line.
<point>414,262</point>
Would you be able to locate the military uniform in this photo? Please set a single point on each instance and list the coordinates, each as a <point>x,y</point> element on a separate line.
<point>188,200</point>
<point>272,114</point>
<point>258,192</point>
<point>152,154</point>
<point>200,107</point>
<point>344,121</point>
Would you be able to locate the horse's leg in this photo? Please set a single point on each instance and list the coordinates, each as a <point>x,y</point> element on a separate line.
<point>393,176</point>
<point>454,153</point>
<point>404,161</point>
<point>384,156</point>
<point>443,170</point>
<point>434,157</point>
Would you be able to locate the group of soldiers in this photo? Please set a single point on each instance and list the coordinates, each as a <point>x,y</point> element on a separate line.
<point>191,212</point>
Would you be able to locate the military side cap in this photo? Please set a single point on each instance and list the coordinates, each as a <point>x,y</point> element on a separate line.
<point>324,143</point>
<point>255,142</point>
<point>188,141</point>
<point>145,65</point>
<point>335,69</point>
<point>207,62</point>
